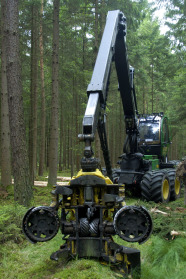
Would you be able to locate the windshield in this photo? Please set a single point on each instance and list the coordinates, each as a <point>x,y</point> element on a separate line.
<point>149,131</point>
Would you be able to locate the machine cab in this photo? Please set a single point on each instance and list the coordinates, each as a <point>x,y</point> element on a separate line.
<point>154,135</point>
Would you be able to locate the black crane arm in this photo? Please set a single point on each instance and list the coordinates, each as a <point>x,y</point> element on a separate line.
<point>98,87</point>
<point>125,76</point>
<point>112,47</point>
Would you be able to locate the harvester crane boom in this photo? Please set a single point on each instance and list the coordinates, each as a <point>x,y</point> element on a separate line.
<point>125,76</point>
<point>112,47</point>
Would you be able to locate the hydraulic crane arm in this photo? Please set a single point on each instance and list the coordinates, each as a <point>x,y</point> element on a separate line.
<point>97,89</point>
<point>126,86</point>
<point>112,47</point>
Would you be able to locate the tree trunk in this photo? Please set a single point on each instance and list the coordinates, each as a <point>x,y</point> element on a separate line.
<point>5,127</point>
<point>61,139</point>
<point>53,151</point>
<point>144,100</point>
<point>33,93</point>
<point>103,16</point>
<point>20,166</point>
<point>64,144</point>
<point>72,141</point>
<point>76,126</point>
<point>152,87</point>
<point>96,28</point>
<point>72,155</point>
<point>43,114</point>
<point>68,143</point>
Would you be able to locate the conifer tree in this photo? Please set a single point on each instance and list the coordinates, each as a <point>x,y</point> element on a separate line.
<point>20,163</point>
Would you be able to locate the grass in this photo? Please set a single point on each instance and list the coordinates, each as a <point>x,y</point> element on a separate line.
<point>161,256</point>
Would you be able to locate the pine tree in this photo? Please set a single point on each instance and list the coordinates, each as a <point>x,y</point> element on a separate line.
<point>43,107</point>
<point>20,163</point>
<point>5,127</point>
<point>53,152</point>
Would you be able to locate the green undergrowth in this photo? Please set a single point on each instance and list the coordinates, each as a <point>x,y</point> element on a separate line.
<point>160,259</point>
<point>162,256</point>
<point>10,223</point>
<point>66,173</point>
<point>165,259</point>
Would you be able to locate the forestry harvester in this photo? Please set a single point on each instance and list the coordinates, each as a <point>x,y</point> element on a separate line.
<point>92,206</point>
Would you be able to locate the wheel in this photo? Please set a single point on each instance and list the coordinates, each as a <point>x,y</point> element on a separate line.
<point>155,186</point>
<point>40,224</point>
<point>133,224</point>
<point>160,186</point>
<point>146,186</point>
<point>175,184</point>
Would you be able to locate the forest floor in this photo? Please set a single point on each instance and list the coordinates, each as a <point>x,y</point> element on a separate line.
<point>163,256</point>
<point>61,180</point>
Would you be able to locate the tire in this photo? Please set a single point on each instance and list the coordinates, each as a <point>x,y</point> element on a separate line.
<point>175,184</point>
<point>156,186</point>
<point>146,186</point>
<point>160,187</point>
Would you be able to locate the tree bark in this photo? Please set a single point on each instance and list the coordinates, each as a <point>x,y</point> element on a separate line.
<point>152,86</point>
<point>20,162</point>
<point>43,113</point>
<point>33,93</point>
<point>53,151</point>
<point>103,16</point>
<point>68,143</point>
<point>61,139</point>
<point>5,127</point>
<point>72,141</point>
<point>96,28</point>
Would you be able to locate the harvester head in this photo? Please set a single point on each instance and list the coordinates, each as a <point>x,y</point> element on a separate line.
<point>92,209</point>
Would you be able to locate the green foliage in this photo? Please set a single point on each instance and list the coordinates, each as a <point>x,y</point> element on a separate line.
<point>165,259</point>
<point>164,224</point>
<point>85,269</point>
<point>11,222</point>
<point>176,12</point>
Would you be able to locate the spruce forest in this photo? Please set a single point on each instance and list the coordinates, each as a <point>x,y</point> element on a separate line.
<point>158,61</point>
<point>48,52</point>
